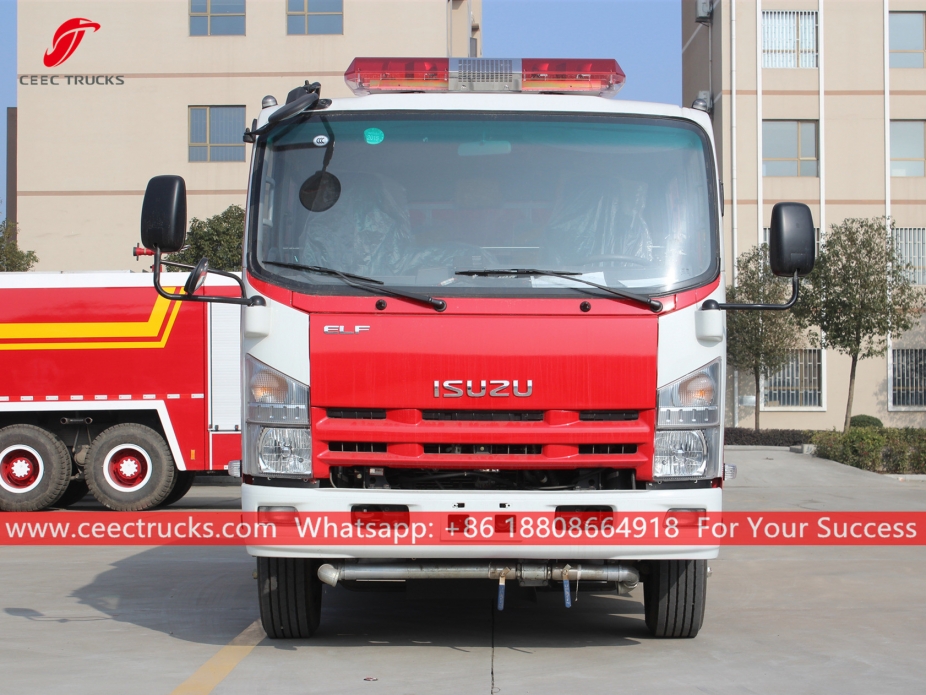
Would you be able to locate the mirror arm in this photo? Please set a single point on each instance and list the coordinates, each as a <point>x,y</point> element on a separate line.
<point>713,304</point>
<point>243,300</point>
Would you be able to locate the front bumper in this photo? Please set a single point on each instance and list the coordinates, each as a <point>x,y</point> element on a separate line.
<point>476,503</point>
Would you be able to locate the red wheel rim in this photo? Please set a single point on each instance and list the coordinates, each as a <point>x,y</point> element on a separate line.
<point>127,468</point>
<point>20,469</point>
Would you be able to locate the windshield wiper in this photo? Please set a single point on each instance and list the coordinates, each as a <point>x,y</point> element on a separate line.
<point>364,283</point>
<point>653,304</point>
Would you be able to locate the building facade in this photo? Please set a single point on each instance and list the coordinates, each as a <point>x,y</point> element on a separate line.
<point>114,92</point>
<point>822,102</point>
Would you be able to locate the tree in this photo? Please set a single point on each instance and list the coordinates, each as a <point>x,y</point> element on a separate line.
<point>859,292</point>
<point>217,238</point>
<point>759,342</point>
<point>12,260</point>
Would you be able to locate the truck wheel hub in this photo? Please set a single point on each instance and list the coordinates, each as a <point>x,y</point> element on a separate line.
<point>20,469</point>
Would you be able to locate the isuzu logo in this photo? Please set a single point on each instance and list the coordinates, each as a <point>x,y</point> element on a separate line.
<point>497,388</point>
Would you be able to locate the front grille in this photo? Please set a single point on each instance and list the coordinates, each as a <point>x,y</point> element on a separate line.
<point>484,415</point>
<point>486,449</point>
<point>353,414</point>
<point>608,415</point>
<point>358,447</point>
<point>487,478</point>
<point>607,448</point>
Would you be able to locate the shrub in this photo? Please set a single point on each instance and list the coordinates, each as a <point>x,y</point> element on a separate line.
<point>741,436</point>
<point>884,450</point>
<point>865,421</point>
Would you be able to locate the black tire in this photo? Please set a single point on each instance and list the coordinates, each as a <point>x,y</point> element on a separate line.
<point>77,489</point>
<point>147,477</point>
<point>183,481</point>
<point>290,596</point>
<point>35,468</point>
<point>674,594</point>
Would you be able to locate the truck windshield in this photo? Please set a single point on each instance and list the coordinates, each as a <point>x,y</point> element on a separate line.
<point>410,198</point>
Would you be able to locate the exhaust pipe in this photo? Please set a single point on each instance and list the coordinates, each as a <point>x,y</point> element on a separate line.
<point>332,573</point>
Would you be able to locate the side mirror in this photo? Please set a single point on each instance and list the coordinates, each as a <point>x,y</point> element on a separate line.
<point>163,214</point>
<point>791,241</point>
<point>197,277</point>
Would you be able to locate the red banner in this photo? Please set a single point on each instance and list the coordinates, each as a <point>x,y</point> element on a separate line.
<point>512,529</point>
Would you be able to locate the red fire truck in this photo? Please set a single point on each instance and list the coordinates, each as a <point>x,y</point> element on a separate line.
<point>505,290</point>
<point>107,386</point>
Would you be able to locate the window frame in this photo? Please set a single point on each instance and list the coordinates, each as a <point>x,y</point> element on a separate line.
<point>764,389</point>
<point>922,51</point>
<point>922,159</point>
<point>797,52</point>
<point>306,13</point>
<point>208,14</point>
<point>799,158</point>
<point>208,144</point>
<point>891,381</point>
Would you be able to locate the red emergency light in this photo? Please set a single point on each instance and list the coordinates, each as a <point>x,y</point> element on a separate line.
<point>599,76</point>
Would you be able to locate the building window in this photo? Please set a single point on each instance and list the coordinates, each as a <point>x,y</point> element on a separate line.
<point>908,383</point>
<point>789,39</point>
<point>314,16</point>
<point>907,148</point>
<point>907,39</point>
<point>789,148</point>
<point>215,133</point>
<point>799,383</point>
<point>216,17</point>
<point>910,243</point>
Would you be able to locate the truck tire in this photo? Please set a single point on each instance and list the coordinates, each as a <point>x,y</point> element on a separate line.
<point>75,492</point>
<point>674,594</point>
<point>129,468</point>
<point>183,482</point>
<point>35,467</point>
<point>290,596</point>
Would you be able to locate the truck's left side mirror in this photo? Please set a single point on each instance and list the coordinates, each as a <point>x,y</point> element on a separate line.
<point>163,214</point>
<point>791,241</point>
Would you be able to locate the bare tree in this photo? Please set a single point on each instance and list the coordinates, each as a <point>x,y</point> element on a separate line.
<point>759,342</point>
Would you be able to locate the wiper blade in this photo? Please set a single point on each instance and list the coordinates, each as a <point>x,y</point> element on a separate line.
<point>364,283</point>
<point>325,271</point>
<point>653,304</point>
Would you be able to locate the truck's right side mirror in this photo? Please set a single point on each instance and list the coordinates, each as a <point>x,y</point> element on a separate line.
<point>163,214</point>
<point>791,241</point>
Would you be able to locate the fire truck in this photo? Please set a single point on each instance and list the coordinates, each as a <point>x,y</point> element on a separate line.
<point>109,387</point>
<point>484,291</point>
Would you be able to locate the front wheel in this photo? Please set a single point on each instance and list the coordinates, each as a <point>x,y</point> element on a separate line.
<point>674,593</point>
<point>129,468</point>
<point>290,596</point>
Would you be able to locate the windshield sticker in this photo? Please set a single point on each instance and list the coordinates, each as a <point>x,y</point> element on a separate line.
<point>373,136</point>
<point>320,140</point>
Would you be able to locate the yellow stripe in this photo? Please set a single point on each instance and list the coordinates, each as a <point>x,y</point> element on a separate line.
<point>214,671</point>
<point>108,345</point>
<point>103,329</point>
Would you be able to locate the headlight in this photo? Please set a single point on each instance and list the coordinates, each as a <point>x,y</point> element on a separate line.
<point>688,426</point>
<point>278,440</point>
<point>680,453</point>
<point>284,450</point>
<point>274,398</point>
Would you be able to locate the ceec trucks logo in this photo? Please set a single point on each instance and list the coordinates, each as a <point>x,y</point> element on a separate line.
<point>67,38</point>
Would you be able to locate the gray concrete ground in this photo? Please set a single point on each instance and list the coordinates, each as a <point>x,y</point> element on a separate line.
<point>794,620</point>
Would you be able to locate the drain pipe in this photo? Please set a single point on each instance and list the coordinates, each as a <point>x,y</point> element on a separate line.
<point>332,573</point>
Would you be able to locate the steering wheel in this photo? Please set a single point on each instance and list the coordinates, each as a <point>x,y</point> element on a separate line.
<point>603,258</point>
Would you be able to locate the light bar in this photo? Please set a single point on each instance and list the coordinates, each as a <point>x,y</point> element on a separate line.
<point>601,76</point>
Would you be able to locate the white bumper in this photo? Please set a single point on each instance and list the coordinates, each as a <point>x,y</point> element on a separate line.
<point>625,502</point>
